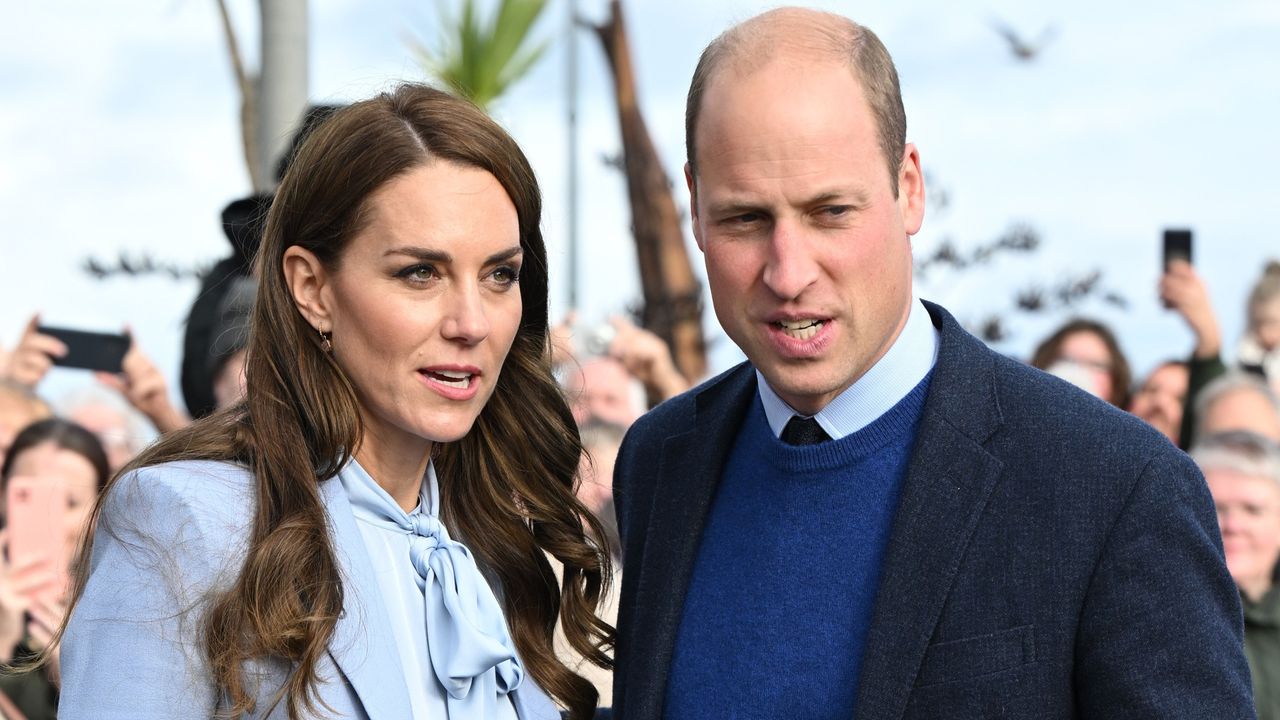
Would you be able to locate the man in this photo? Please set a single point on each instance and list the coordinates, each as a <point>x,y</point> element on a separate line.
<point>1238,401</point>
<point>1242,469</point>
<point>967,537</point>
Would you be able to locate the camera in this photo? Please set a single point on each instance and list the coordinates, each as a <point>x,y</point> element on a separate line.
<point>596,340</point>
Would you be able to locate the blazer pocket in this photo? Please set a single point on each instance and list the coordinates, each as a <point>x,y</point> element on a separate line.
<point>977,656</point>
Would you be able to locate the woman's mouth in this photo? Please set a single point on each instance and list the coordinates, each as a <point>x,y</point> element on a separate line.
<point>450,378</point>
<point>454,383</point>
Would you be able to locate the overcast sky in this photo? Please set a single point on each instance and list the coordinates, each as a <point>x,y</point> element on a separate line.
<point>119,132</point>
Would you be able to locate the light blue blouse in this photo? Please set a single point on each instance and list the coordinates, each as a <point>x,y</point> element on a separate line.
<point>458,658</point>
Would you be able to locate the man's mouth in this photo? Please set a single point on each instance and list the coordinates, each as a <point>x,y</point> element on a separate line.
<point>800,329</point>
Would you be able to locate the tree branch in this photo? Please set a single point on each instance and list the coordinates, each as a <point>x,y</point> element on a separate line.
<point>248,101</point>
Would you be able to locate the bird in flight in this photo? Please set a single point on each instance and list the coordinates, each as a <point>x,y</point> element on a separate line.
<point>1022,49</point>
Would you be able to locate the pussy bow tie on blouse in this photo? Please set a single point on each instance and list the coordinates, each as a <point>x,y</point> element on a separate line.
<point>467,635</point>
<point>472,653</point>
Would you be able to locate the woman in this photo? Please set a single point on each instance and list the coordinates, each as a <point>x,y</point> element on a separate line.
<point>1259,349</point>
<point>1086,353</point>
<point>50,450</point>
<point>1182,289</point>
<point>300,554</point>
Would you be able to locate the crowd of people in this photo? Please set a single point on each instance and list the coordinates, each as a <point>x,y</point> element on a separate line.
<point>367,398</point>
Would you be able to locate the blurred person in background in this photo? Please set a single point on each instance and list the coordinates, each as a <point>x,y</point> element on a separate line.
<point>19,407</point>
<point>1160,398</point>
<point>1259,349</point>
<point>1087,354</point>
<point>120,427</point>
<point>600,442</point>
<point>230,343</point>
<point>626,369</point>
<point>144,387</point>
<point>1243,473</point>
<point>1183,290</point>
<point>32,357</point>
<point>61,452</point>
<point>243,222</point>
<point>600,388</point>
<point>1237,400</point>
<point>139,382</point>
<point>647,358</point>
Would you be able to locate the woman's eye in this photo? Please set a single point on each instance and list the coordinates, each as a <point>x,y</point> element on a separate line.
<point>417,273</point>
<point>506,275</point>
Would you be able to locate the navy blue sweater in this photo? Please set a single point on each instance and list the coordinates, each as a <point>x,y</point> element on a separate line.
<point>785,580</point>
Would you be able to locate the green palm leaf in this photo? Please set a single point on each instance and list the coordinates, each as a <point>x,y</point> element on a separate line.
<point>481,59</point>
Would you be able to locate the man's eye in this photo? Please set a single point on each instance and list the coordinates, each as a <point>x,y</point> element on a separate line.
<point>836,210</point>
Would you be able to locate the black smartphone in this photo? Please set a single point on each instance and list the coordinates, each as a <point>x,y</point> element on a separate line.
<point>90,350</point>
<point>1177,246</point>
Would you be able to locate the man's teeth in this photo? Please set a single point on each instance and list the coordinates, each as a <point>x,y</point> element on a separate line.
<point>800,329</point>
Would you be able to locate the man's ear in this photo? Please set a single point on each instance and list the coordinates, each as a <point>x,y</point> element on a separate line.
<point>693,206</point>
<point>306,278</point>
<point>911,190</point>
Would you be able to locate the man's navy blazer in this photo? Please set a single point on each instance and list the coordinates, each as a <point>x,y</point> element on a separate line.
<point>1050,557</point>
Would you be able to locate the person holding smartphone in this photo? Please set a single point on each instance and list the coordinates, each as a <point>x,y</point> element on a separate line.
<point>316,549</point>
<point>50,480</point>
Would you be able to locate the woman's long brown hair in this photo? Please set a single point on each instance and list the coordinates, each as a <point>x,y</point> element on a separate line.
<point>506,487</point>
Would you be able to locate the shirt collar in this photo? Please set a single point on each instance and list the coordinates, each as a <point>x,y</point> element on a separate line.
<point>908,360</point>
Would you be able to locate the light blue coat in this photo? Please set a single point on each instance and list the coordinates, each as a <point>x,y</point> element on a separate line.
<point>167,538</point>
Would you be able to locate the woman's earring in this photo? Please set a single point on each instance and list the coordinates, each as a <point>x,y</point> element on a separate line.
<point>325,343</point>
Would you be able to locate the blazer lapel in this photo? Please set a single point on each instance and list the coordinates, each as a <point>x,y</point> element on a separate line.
<point>949,479</point>
<point>363,646</point>
<point>687,476</point>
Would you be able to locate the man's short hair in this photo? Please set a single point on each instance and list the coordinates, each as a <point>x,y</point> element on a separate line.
<point>1234,381</point>
<point>1239,451</point>
<point>818,33</point>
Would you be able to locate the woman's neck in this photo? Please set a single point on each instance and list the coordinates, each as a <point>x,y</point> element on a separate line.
<point>397,470</point>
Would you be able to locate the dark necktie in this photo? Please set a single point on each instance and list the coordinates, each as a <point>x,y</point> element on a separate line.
<point>803,431</point>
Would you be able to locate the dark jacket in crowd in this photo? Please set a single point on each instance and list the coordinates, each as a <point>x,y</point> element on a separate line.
<point>1262,645</point>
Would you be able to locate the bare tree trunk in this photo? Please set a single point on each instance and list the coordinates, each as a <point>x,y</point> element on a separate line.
<point>248,103</point>
<point>672,294</point>
<point>282,96</point>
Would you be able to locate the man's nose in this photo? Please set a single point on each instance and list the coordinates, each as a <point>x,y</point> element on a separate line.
<point>1228,522</point>
<point>790,265</point>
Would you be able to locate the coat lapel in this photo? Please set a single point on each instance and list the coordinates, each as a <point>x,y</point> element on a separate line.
<point>949,479</point>
<point>687,476</point>
<point>363,645</point>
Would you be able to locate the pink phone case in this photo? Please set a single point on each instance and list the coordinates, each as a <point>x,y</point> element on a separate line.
<point>36,512</point>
